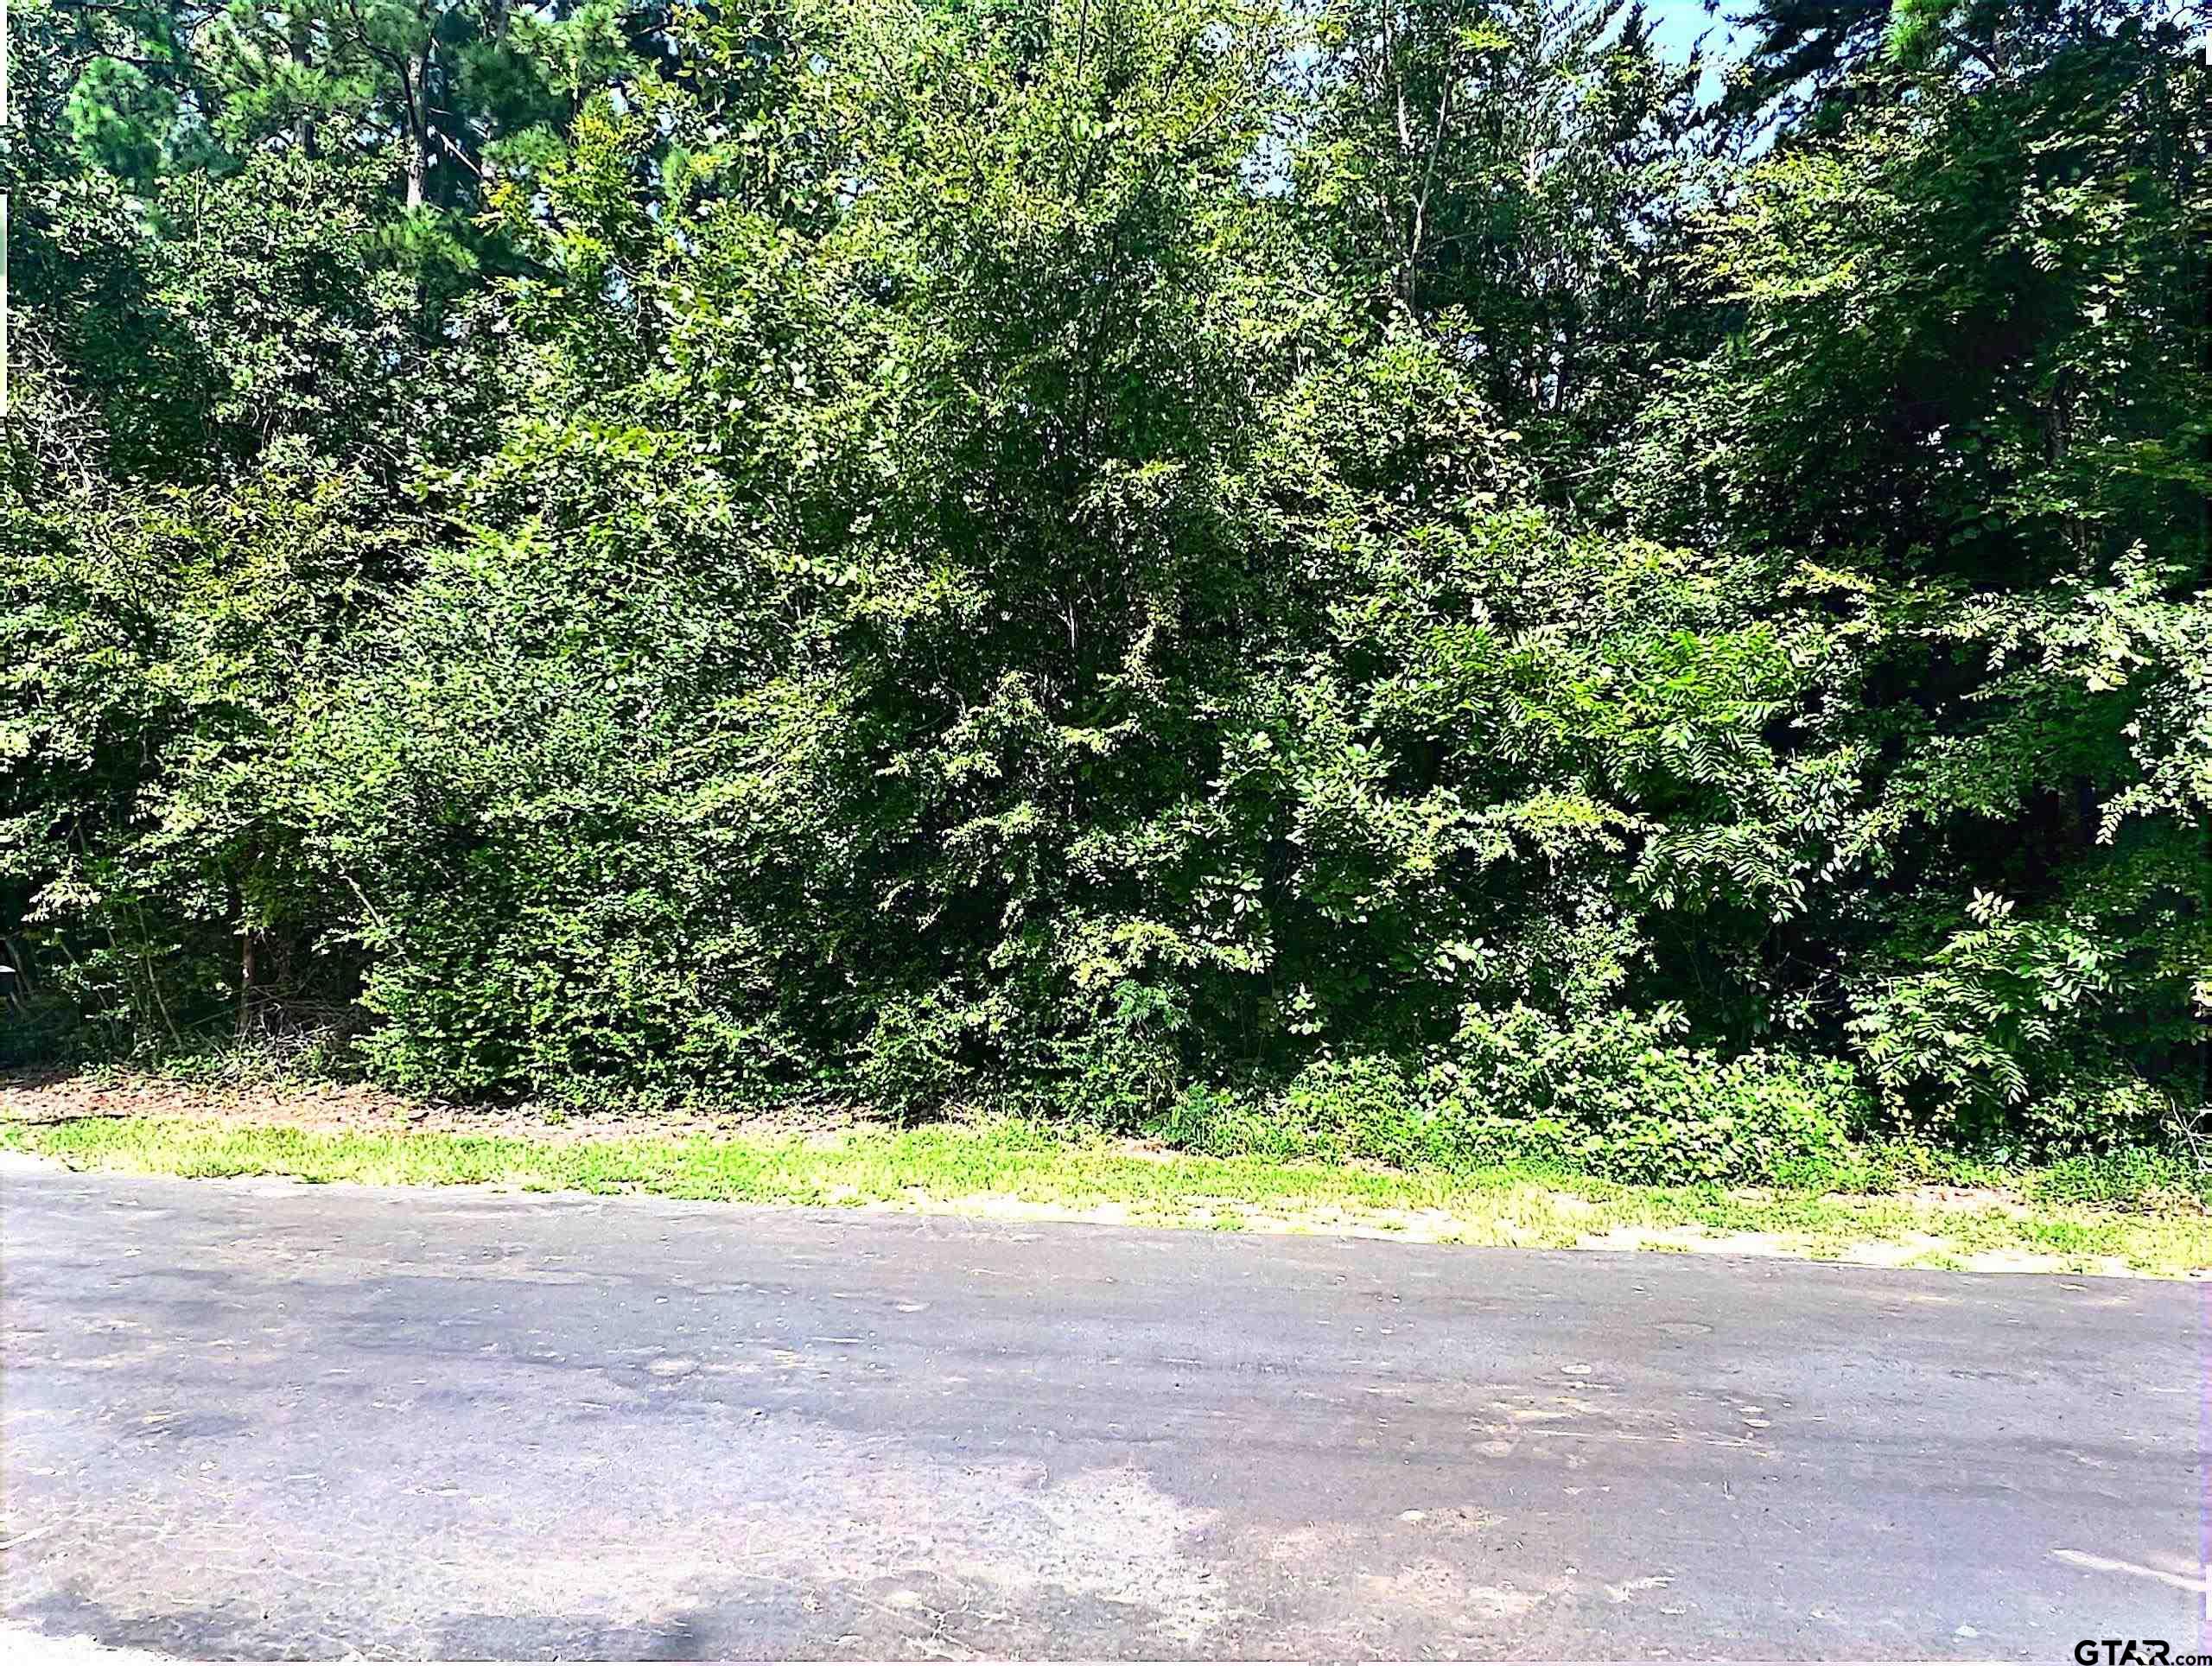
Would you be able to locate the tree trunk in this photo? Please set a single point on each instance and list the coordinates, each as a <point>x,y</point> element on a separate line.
<point>301,45</point>
<point>245,983</point>
<point>417,85</point>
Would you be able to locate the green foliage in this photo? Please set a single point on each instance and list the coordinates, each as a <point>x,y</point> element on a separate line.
<point>156,644</point>
<point>1618,1098</point>
<point>1521,174</point>
<point>1971,341</point>
<point>1362,1108</point>
<point>2139,1178</point>
<point>1360,580</point>
<point>1621,1097</point>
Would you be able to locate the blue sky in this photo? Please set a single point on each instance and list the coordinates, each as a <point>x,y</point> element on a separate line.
<point>1680,22</point>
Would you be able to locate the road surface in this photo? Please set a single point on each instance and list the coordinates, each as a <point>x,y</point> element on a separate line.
<point>264,1419</point>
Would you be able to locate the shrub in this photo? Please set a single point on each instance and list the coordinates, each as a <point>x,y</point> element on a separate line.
<point>1216,1123</point>
<point>916,1058</point>
<point>1617,1097</point>
<point>1363,1106</point>
<point>1122,1068</point>
<point>2134,1178</point>
<point>45,1028</point>
<point>1613,1098</point>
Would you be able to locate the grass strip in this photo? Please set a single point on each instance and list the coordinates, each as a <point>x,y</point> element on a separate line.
<point>1021,1168</point>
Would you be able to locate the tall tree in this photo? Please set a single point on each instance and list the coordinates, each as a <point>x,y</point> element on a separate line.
<point>1969,393</point>
<point>1518,175</point>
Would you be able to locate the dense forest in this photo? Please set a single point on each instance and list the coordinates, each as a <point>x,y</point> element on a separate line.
<point>1406,578</point>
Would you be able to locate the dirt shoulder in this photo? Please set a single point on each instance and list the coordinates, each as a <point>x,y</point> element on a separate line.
<point>358,1107</point>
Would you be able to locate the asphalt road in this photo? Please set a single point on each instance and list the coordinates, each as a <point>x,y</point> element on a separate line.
<point>245,1418</point>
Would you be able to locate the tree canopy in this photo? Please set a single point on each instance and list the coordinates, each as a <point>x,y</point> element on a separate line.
<point>1418,568</point>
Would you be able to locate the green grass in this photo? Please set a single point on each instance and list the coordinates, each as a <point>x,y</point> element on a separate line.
<point>1015,1166</point>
